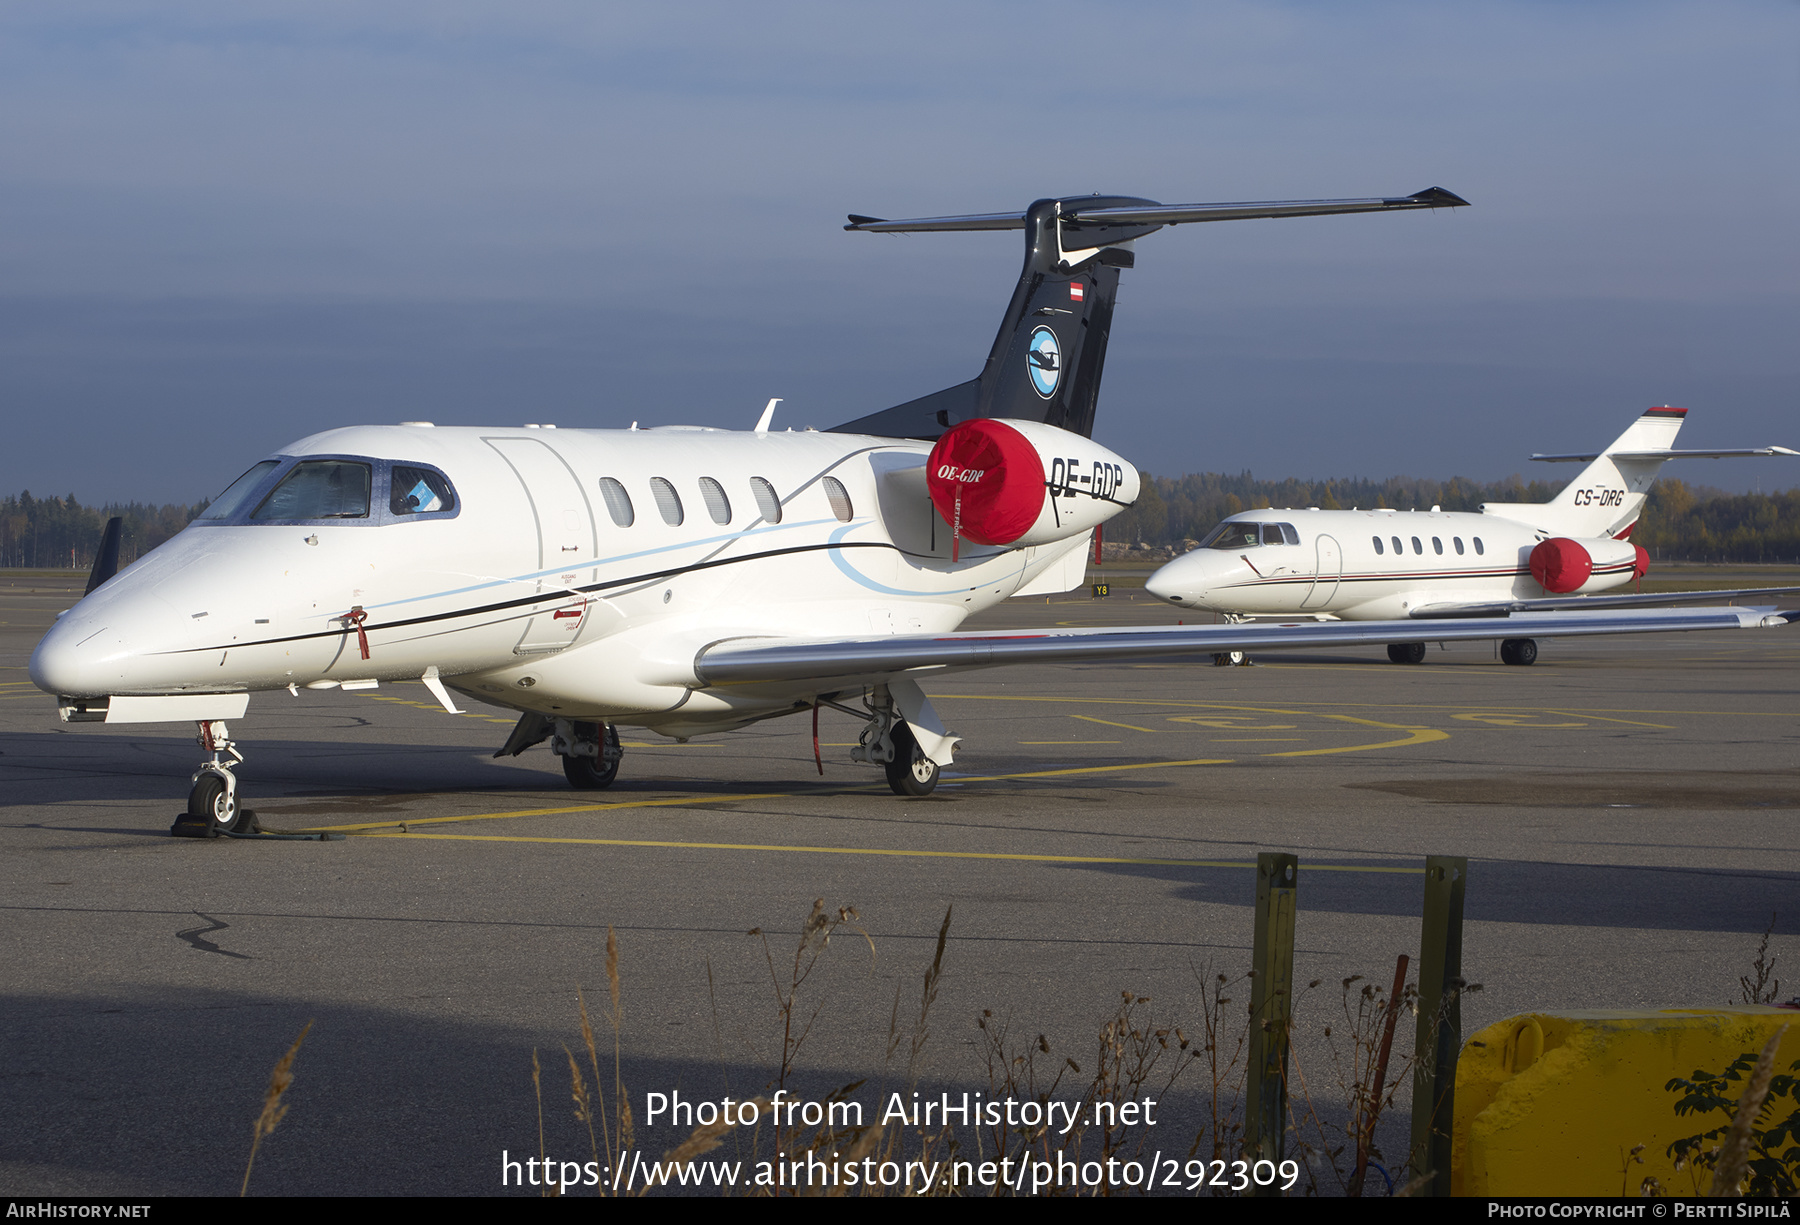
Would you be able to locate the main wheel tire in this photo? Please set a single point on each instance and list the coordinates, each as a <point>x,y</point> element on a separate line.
<point>1231,659</point>
<point>1519,651</point>
<point>591,773</point>
<point>911,772</point>
<point>1407,652</point>
<point>211,801</point>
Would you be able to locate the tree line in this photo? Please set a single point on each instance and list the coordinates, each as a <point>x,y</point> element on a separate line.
<point>1681,522</point>
<point>62,534</point>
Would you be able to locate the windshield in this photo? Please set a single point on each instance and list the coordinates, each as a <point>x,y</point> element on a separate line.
<point>1236,534</point>
<point>234,497</point>
<point>320,489</point>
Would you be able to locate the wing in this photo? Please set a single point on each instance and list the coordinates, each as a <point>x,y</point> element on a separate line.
<point>1599,603</point>
<point>750,661</point>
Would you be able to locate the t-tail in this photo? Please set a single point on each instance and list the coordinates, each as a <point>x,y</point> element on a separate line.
<point>1608,496</point>
<point>1047,358</point>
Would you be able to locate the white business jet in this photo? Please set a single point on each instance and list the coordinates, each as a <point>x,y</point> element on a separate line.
<point>1369,565</point>
<point>683,580</point>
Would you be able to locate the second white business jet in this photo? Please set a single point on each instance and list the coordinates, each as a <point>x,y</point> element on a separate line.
<point>1512,557</point>
<point>683,580</point>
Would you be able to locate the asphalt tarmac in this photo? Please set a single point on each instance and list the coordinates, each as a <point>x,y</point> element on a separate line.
<point>1630,808</point>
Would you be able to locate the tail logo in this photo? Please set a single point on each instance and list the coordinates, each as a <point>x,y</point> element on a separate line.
<point>1043,360</point>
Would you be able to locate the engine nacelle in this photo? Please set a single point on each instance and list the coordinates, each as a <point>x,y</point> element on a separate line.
<point>1025,483</point>
<point>1563,566</point>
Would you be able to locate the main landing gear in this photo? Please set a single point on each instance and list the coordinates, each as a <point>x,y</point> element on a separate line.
<point>590,753</point>
<point>1519,651</point>
<point>213,807</point>
<point>887,741</point>
<point>1231,659</point>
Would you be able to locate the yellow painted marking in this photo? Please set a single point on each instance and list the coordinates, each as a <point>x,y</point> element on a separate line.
<point>1230,723</point>
<point>1138,765</point>
<point>1258,739</point>
<point>1131,727</point>
<point>1068,742</point>
<point>1633,722</point>
<point>545,812</point>
<point>854,850</point>
<point>1424,735</point>
<point>1518,720</point>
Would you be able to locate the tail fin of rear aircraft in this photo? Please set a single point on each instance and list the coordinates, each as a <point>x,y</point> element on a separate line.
<point>1608,496</point>
<point>1046,360</point>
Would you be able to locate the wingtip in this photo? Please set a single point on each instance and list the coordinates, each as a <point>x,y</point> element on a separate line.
<point>1437,197</point>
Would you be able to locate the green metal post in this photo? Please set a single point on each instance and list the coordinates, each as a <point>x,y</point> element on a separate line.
<point>1271,1009</point>
<point>1440,1021</point>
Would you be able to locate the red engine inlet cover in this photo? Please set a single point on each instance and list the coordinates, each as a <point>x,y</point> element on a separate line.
<point>987,481</point>
<point>1642,566</point>
<point>1560,565</point>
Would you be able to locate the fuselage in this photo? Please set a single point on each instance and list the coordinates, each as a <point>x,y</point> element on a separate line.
<point>1364,564</point>
<point>575,573</point>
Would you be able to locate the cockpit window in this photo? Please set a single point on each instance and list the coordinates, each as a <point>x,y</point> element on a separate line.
<point>320,489</point>
<point>418,491</point>
<point>232,500</point>
<point>1240,535</point>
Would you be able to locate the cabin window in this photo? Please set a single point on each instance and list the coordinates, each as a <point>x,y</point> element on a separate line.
<point>766,501</point>
<point>1478,549</point>
<point>1457,541</point>
<point>618,502</point>
<point>668,502</point>
<point>238,492</point>
<point>1378,549</point>
<point>1437,545</point>
<point>1417,547</point>
<point>839,498</point>
<point>717,504</point>
<point>320,489</point>
<point>1398,547</point>
<point>419,491</point>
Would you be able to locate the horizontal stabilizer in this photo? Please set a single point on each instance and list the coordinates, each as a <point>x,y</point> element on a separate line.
<point>1150,213</point>
<point>1728,453</point>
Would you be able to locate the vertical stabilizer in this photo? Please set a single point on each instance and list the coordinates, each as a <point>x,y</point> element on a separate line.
<point>1608,496</point>
<point>1047,358</point>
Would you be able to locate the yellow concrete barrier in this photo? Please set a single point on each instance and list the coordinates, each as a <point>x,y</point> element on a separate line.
<point>1553,1103</point>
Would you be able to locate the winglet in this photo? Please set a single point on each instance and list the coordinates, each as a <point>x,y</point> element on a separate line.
<point>762,424</point>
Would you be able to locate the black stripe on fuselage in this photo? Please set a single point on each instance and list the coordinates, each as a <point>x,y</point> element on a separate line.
<point>648,576</point>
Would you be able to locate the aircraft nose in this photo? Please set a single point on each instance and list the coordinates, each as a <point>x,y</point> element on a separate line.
<point>1179,582</point>
<point>78,658</point>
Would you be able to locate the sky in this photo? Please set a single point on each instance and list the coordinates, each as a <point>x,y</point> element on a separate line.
<point>224,226</point>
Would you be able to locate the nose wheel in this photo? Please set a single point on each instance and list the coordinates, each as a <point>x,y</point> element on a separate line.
<point>212,807</point>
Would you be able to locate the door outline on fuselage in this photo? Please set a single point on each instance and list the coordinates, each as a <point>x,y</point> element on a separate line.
<point>552,481</point>
<point>1330,562</point>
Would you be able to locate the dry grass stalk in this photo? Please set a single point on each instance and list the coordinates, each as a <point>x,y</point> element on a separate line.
<point>1764,987</point>
<point>1734,1156</point>
<point>537,1088</point>
<point>273,1109</point>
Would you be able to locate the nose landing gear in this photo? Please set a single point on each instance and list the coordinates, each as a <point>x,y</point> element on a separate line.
<point>212,807</point>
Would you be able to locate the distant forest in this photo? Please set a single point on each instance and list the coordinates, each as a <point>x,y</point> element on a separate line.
<point>1681,523</point>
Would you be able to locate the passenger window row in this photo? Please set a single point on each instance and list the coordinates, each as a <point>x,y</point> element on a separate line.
<point>1437,545</point>
<point>715,499</point>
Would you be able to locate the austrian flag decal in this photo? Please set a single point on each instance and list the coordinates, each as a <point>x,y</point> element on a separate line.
<point>1076,289</point>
